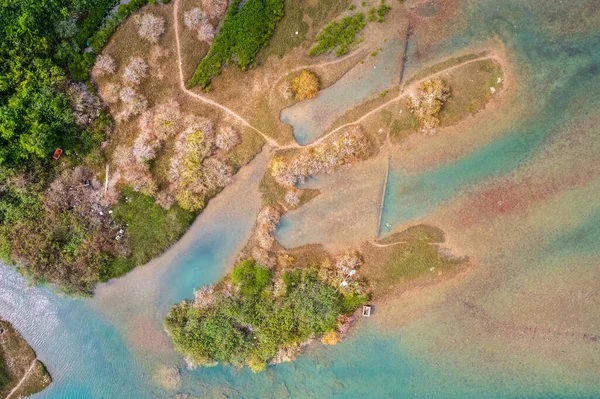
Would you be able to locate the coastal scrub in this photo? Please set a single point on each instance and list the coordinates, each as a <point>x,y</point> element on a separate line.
<point>428,102</point>
<point>257,315</point>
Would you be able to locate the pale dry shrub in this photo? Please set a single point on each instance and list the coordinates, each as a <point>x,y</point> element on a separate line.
<point>193,18</point>
<point>110,92</point>
<point>227,138</point>
<point>196,21</point>
<point>266,223</point>
<point>142,150</point>
<point>292,196</point>
<point>122,156</point>
<point>85,104</point>
<point>263,257</point>
<point>217,174</point>
<point>204,297</point>
<point>215,8</point>
<point>134,103</point>
<point>151,27</point>
<point>156,126</point>
<point>206,33</point>
<point>135,71</point>
<point>165,199</point>
<point>427,103</point>
<point>161,122</point>
<point>342,149</point>
<point>348,261</point>
<point>104,65</point>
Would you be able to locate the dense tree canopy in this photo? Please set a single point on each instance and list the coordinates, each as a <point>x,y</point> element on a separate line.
<point>252,314</point>
<point>38,38</point>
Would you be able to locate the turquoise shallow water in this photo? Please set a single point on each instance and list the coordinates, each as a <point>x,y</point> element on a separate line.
<point>544,274</point>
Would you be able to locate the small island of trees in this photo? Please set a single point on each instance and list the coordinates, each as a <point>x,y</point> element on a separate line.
<point>257,315</point>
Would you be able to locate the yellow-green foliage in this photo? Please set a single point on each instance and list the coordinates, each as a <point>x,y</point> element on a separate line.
<point>305,85</point>
<point>428,102</point>
<point>194,154</point>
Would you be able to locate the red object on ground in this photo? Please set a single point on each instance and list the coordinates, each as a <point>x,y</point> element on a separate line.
<point>57,153</point>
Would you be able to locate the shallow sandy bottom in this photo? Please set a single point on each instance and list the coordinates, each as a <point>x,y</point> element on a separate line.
<point>345,214</point>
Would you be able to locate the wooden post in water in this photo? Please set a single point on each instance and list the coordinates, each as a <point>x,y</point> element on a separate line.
<point>106,185</point>
<point>409,32</point>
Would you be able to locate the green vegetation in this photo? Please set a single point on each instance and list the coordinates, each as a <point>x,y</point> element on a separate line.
<point>253,313</point>
<point>16,357</point>
<point>414,255</point>
<point>244,32</point>
<point>352,7</point>
<point>151,229</point>
<point>339,35</point>
<point>42,227</point>
<point>382,10</point>
<point>54,224</point>
<point>371,15</point>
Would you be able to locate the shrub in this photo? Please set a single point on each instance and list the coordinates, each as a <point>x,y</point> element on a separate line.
<point>266,223</point>
<point>227,139</point>
<point>193,18</point>
<point>216,8</point>
<point>240,322</point>
<point>134,103</point>
<point>305,85</point>
<point>85,104</point>
<point>135,71</point>
<point>382,10</point>
<point>339,35</point>
<point>104,65</point>
<point>196,21</point>
<point>292,197</point>
<point>371,15</point>
<point>151,27</point>
<point>427,103</point>
<point>324,158</point>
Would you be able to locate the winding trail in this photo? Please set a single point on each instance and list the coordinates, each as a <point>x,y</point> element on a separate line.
<point>362,53</point>
<point>268,139</point>
<point>273,143</point>
<point>16,388</point>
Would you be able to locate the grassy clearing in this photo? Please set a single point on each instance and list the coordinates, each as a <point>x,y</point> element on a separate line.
<point>150,229</point>
<point>394,267</point>
<point>471,90</point>
<point>285,38</point>
<point>422,74</point>
<point>15,358</point>
<point>422,233</point>
<point>242,154</point>
<point>324,10</point>
<point>267,121</point>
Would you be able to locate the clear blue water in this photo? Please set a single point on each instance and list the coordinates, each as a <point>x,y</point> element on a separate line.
<point>549,256</point>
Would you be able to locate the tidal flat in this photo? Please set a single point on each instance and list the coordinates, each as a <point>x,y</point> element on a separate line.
<point>513,187</point>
